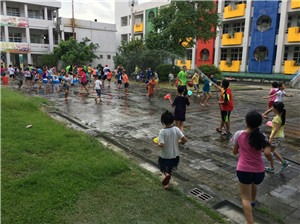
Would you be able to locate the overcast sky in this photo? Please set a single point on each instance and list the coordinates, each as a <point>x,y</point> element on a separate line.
<point>102,10</point>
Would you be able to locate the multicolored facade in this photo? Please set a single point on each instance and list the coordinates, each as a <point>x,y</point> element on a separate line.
<point>255,36</point>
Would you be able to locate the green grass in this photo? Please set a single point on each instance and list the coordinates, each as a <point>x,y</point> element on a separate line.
<point>51,174</point>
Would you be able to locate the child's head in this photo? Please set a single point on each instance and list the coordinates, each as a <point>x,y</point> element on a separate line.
<point>278,108</point>
<point>281,86</point>
<point>275,84</point>
<point>225,83</point>
<point>180,89</point>
<point>167,118</point>
<point>257,139</point>
<point>253,119</point>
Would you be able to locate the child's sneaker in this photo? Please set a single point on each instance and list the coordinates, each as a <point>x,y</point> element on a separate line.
<point>269,169</point>
<point>284,165</point>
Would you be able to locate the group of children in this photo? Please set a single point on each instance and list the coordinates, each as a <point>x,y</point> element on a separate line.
<point>250,143</point>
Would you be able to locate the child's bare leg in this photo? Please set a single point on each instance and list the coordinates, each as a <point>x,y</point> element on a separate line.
<point>265,114</point>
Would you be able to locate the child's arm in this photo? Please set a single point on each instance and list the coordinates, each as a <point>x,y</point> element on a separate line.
<point>266,97</point>
<point>235,149</point>
<point>182,140</point>
<point>218,87</point>
<point>288,95</point>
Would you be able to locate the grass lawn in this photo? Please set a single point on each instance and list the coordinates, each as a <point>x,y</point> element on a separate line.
<point>51,174</point>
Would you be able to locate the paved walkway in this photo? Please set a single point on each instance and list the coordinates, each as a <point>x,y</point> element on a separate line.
<point>207,164</point>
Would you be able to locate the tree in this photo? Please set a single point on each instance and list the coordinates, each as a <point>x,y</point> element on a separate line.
<point>135,53</point>
<point>73,52</point>
<point>181,23</point>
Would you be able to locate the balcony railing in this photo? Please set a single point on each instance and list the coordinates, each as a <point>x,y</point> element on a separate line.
<point>295,4</point>
<point>39,47</point>
<point>187,63</point>
<point>290,67</point>
<point>239,11</point>
<point>294,34</point>
<point>138,28</point>
<point>234,66</point>
<point>235,39</point>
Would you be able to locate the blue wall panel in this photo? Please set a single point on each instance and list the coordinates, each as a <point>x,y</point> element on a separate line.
<point>265,38</point>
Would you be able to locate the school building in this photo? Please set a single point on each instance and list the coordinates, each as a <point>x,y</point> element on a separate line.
<point>255,37</point>
<point>30,29</point>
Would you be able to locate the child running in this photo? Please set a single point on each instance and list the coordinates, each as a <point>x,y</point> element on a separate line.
<point>97,87</point>
<point>272,91</point>
<point>180,102</point>
<point>168,139</point>
<point>277,135</point>
<point>151,87</point>
<point>195,80</point>
<point>249,144</point>
<point>279,98</point>
<point>126,82</point>
<point>66,81</point>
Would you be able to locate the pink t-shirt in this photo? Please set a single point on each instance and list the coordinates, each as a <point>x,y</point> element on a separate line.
<point>273,91</point>
<point>250,159</point>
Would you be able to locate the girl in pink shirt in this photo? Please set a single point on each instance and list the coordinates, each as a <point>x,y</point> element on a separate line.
<point>249,144</point>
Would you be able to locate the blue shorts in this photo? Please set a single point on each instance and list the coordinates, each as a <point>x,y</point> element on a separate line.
<point>250,178</point>
<point>98,92</point>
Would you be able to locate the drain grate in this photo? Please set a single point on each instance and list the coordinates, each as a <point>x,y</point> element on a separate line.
<point>200,194</point>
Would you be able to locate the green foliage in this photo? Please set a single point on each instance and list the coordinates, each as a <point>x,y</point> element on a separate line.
<point>180,21</point>
<point>135,53</point>
<point>73,52</point>
<point>49,60</point>
<point>211,69</point>
<point>165,69</point>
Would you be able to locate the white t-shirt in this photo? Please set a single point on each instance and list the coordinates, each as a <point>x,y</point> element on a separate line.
<point>98,84</point>
<point>11,70</point>
<point>280,94</point>
<point>170,137</point>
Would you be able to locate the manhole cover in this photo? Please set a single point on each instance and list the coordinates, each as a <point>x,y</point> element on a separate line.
<point>200,194</point>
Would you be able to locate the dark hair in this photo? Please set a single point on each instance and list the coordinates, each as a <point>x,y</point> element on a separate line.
<point>180,89</point>
<point>280,85</point>
<point>275,84</point>
<point>257,139</point>
<point>279,106</point>
<point>167,118</point>
<point>225,83</point>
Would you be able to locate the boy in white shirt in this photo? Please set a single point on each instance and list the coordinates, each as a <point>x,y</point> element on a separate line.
<point>97,87</point>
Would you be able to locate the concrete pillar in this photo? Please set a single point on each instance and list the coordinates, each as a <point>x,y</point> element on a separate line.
<point>8,61</point>
<point>281,36</point>
<point>45,13</point>
<point>218,37</point>
<point>29,58</point>
<point>50,35</point>
<point>26,10</point>
<point>6,36</point>
<point>194,56</point>
<point>246,37</point>
<point>4,8</point>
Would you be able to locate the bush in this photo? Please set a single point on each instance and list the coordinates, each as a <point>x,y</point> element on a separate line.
<point>165,69</point>
<point>211,69</point>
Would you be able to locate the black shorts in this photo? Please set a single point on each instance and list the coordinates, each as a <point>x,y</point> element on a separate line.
<point>250,178</point>
<point>168,165</point>
<point>84,83</point>
<point>120,82</point>
<point>126,85</point>
<point>225,115</point>
<point>179,116</point>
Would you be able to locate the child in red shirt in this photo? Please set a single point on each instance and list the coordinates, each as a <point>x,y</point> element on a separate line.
<point>126,82</point>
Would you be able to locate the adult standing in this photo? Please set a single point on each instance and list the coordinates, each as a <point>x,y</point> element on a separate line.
<point>182,79</point>
<point>250,145</point>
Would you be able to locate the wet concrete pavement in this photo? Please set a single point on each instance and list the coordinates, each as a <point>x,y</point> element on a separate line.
<point>206,163</point>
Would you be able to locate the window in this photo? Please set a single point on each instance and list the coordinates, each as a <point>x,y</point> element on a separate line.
<point>204,55</point>
<point>108,57</point>
<point>124,21</point>
<point>296,57</point>
<point>35,14</point>
<point>263,23</point>
<point>124,38</point>
<point>225,28</point>
<point>286,54</point>
<point>101,56</point>
<point>189,54</point>
<point>223,54</point>
<point>13,11</point>
<point>261,53</point>
<point>238,27</point>
<point>151,15</point>
<point>236,54</point>
<point>15,37</point>
<point>69,35</point>
<point>35,38</point>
